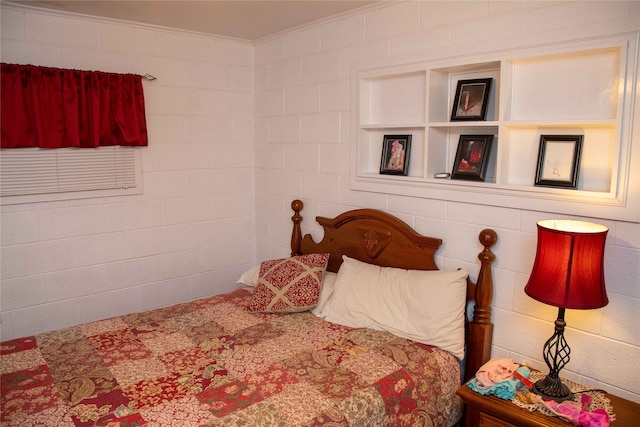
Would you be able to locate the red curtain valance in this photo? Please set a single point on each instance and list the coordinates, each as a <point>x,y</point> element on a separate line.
<point>57,108</point>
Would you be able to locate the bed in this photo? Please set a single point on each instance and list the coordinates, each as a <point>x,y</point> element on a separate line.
<point>227,361</point>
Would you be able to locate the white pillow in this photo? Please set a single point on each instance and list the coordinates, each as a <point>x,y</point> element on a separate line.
<point>250,277</point>
<point>424,306</point>
<point>328,284</point>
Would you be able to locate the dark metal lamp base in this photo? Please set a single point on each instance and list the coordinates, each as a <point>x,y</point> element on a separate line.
<point>552,389</point>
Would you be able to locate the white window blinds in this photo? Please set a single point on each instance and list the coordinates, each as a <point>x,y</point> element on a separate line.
<point>32,171</point>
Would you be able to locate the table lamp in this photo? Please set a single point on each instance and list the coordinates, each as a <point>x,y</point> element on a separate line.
<point>568,272</point>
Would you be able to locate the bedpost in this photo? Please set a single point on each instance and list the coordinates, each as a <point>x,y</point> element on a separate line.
<point>480,331</point>
<point>296,233</point>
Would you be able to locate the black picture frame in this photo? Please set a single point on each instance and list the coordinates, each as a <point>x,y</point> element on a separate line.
<point>471,100</point>
<point>396,152</point>
<point>472,157</point>
<point>559,161</point>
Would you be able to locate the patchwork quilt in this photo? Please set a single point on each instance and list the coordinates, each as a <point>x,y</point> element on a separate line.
<point>212,363</point>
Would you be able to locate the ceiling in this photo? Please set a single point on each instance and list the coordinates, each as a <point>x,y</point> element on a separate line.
<point>242,19</point>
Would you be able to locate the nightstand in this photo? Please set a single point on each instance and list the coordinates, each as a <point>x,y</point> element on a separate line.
<point>490,411</point>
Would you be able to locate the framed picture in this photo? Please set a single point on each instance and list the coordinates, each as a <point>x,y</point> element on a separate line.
<point>472,157</point>
<point>559,161</point>
<point>471,100</point>
<point>396,150</point>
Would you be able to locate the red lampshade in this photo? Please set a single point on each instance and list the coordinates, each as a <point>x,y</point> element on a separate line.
<point>569,270</point>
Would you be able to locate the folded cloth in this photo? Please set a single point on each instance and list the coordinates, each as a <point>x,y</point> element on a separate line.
<point>495,371</point>
<point>505,389</point>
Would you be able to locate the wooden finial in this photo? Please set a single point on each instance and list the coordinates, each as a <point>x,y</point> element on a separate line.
<point>296,233</point>
<point>480,329</point>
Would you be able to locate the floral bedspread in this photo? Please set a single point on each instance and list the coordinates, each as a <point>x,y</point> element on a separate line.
<point>210,362</point>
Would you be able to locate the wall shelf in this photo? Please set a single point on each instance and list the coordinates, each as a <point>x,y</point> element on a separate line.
<point>563,89</point>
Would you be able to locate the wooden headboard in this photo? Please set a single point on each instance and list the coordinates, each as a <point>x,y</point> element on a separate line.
<point>379,238</point>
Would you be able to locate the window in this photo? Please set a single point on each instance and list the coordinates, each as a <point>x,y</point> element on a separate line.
<point>35,175</point>
<point>69,134</point>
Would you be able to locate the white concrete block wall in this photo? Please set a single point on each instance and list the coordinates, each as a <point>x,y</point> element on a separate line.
<point>299,133</point>
<point>302,150</point>
<point>68,262</point>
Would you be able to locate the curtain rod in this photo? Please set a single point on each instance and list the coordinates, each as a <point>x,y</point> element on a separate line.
<point>148,77</point>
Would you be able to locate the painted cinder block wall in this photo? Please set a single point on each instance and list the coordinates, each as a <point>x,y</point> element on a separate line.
<point>191,233</point>
<point>284,101</point>
<point>302,135</point>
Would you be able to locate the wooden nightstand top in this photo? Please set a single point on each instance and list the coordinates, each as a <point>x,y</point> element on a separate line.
<point>627,412</point>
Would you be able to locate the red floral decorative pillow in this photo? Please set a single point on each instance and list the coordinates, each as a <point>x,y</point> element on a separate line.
<point>289,285</point>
